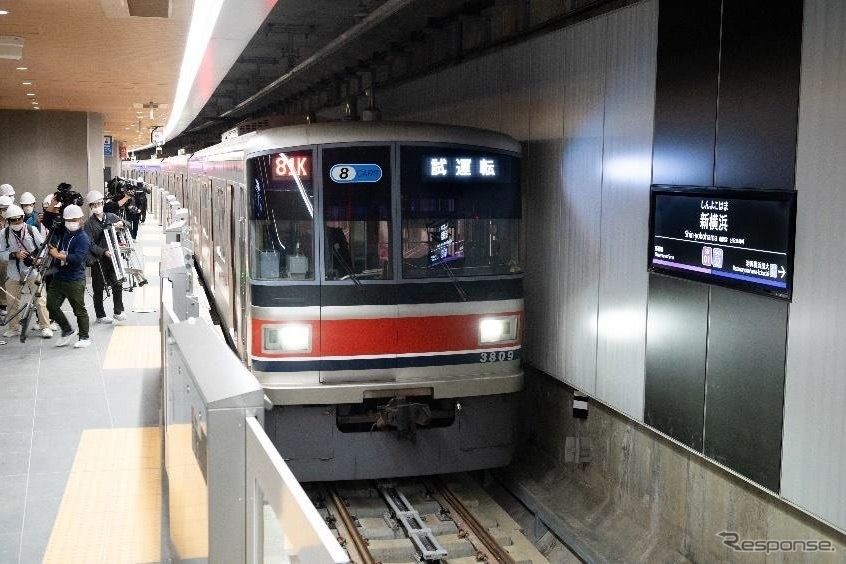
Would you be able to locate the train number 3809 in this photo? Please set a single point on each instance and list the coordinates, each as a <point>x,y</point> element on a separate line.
<point>500,356</point>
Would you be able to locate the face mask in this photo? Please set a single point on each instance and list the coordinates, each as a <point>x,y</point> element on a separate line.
<point>17,227</point>
<point>28,209</point>
<point>73,226</point>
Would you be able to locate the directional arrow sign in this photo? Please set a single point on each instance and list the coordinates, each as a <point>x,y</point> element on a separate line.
<point>782,272</point>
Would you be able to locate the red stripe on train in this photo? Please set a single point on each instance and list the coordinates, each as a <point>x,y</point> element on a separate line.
<point>387,336</point>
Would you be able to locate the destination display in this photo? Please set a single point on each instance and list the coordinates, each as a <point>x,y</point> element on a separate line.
<point>737,238</point>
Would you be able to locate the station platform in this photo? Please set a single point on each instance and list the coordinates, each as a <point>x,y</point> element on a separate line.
<point>81,469</point>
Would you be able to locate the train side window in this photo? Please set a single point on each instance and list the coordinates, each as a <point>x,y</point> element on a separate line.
<point>281,216</point>
<point>357,212</point>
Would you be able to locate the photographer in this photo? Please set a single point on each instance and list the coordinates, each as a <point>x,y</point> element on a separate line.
<point>19,245</point>
<point>122,204</point>
<point>69,249</point>
<point>102,270</point>
<point>141,199</point>
<point>5,202</point>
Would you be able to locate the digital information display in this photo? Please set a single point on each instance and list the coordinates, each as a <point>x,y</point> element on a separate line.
<point>439,167</point>
<point>737,238</point>
<point>290,165</point>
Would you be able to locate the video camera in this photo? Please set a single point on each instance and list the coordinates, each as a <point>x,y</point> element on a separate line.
<point>66,196</point>
<point>118,188</point>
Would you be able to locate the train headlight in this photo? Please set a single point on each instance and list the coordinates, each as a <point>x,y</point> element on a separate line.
<point>497,329</point>
<point>287,338</point>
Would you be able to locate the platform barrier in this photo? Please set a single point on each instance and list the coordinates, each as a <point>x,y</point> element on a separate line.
<point>231,497</point>
<point>285,525</point>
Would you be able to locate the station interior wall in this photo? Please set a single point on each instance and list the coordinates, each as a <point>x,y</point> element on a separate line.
<point>581,100</point>
<point>40,149</point>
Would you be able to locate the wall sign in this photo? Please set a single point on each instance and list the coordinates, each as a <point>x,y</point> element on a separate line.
<point>108,146</point>
<point>737,238</point>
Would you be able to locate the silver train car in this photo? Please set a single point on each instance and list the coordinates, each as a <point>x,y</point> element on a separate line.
<point>370,275</point>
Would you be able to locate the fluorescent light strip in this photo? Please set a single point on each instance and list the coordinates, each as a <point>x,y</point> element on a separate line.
<point>203,19</point>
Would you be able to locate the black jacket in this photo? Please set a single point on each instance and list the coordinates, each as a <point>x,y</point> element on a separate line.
<point>95,229</point>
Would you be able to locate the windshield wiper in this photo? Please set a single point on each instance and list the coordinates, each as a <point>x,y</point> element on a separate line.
<point>336,250</point>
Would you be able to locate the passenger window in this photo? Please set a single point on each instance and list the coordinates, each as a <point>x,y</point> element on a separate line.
<point>357,212</point>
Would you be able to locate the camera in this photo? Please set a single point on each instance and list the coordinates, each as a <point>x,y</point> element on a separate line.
<point>66,196</point>
<point>28,261</point>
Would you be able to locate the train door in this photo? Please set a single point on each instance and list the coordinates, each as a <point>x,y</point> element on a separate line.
<point>359,311</point>
<point>239,266</point>
<point>222,251</point>
<point>205,230</point>
<point>195,211</point>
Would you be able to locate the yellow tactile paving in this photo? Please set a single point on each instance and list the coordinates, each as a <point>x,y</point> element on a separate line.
<point>111,508</point>
<point>134,346</point>
<point>145,298</point>
<point>151,269</point>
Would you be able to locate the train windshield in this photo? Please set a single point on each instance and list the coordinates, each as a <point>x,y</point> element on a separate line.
<point>461,211</point>
<point>357,212</point>
<point>281,216</point>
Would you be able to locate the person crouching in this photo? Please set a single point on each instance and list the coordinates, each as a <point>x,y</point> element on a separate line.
<point>102,270</point>
<point>69,251</point>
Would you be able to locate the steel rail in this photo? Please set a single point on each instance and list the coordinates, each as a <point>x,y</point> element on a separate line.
<point>476,527</point>
<point>359,542</point>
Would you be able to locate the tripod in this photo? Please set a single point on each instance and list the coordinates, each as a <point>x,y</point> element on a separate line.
<point>42,263</point>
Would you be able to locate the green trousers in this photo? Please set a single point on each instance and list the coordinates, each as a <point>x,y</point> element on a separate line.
<point>74,292</point>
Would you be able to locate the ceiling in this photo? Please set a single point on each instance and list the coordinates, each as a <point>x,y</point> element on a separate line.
<point>93,55</point>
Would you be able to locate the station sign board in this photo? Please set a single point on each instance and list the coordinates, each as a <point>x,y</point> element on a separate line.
<point>741,239</point>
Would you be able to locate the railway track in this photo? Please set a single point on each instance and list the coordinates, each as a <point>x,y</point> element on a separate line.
<point>447,520</point>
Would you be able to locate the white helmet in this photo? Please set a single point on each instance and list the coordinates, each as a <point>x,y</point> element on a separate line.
<point>6,201</point>
<point>13,211</point>
<point>139,180</point>
<point>72,212</point>
<point>7,190</point>
<point>27,199</point>
<point>93,196</point>
<point>47,200</point>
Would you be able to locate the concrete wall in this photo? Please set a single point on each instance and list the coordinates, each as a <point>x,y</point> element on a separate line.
<point>40,149</point>
<point>641,493</point>
<point>96,160</point>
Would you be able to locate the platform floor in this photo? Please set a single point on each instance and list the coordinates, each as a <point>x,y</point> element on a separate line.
<point>80,453</point>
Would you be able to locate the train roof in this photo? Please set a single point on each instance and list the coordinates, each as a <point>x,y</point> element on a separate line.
<point>361,132</point>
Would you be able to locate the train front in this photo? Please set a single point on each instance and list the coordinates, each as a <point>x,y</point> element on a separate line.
<point>386,316</point>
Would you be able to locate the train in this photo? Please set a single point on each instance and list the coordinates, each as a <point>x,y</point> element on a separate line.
<point>370,275</point>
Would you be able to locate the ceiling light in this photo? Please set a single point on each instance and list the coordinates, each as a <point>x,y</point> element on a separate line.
<point>203,18</point>
<point>27,83</point>
<point>21,68</point>
<point>30,93</point>
<point>4,12</point>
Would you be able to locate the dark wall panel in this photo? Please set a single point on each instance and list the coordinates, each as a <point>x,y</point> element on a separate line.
<point>745,384</point>
<point>759,94</point>
<point>686,92</point>
<point>676,334</point>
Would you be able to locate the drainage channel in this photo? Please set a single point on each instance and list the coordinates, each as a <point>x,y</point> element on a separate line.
<point>448,520</point>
